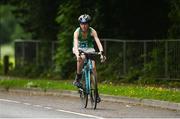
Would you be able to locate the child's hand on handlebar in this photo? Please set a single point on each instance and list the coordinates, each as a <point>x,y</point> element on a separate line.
<point>102,57</point>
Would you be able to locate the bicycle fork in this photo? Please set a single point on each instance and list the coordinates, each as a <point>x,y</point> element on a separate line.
<point>87,72</point>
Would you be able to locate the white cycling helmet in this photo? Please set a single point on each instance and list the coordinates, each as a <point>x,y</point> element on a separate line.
<point>85,18</point>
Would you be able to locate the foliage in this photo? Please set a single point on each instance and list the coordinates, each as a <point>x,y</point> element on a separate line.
<point>153,67</point>
<point>174,16</point>
<point>132,76</point>
<point>68,13</point>
<point>7,23</point>
<point>29,71</point>
<point>57,20</point>
<point>37,17</point>
<point>66,19</point>
<point>134,19</point>
<point>112,69</point>
<point>1,69</point>
<point>36,20</point>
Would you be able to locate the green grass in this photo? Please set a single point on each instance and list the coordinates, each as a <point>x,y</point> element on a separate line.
<point>143,92</point>
<point>43,84</point>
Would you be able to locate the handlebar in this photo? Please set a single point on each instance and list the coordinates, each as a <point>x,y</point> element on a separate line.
<point>91,53</point>
<point>88,53</point>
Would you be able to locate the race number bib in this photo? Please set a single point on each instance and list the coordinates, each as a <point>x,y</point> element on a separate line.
<point>83,44</point>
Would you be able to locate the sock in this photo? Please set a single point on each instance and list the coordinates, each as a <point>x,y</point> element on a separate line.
<point>79,76</point>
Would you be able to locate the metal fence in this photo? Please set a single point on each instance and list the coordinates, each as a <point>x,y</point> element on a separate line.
<point>161,56</point>
<point>28,51</point>
<point>0,48</point>
<point>0,52</point>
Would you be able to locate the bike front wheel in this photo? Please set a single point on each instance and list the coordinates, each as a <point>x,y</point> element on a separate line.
<point>83,94</point>
<point>93,93</point>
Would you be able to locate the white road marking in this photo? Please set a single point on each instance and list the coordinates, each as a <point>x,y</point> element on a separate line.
<point>81,114</point>
<point>87,115</point>
<point>37,106</point>
<point>27,104</point>
<point>47,107</point>
<point>5,100</point>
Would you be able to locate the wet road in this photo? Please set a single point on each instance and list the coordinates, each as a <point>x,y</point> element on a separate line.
<point>26,106</point>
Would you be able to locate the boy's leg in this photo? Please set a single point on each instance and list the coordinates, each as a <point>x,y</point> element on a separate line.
<point>78,77</point>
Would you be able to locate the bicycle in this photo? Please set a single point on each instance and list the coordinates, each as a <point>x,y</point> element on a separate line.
<point>88,81</point>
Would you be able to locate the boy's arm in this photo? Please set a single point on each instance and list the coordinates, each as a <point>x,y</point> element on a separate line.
<point>96,38</point>
<point>76,43</point>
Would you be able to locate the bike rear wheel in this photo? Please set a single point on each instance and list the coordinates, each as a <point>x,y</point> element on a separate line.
<point>83,94</point>
<point>93,93</point>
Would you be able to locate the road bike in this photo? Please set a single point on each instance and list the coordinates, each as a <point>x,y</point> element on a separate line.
<point>89,82</point>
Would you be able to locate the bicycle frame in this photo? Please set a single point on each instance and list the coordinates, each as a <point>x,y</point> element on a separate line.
<point>88,80</point>
<point>87,69</point>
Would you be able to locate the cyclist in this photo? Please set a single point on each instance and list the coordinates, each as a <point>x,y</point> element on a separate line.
<point>83,38</point>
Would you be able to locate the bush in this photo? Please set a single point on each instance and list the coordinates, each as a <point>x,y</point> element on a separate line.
<point>28,70</point>
<point>132,76</point>
<point>1,69</point>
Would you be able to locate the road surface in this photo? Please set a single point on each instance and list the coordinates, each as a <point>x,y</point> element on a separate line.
<point>26,106</point>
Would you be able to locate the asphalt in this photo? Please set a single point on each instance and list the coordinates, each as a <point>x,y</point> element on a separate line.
<point>122,99</point>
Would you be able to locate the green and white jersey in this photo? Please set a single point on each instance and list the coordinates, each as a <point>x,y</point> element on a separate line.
<point>85,43</point>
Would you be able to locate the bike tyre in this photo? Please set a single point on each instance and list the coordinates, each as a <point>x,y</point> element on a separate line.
<point>83,94</point>
<point>93,93</point>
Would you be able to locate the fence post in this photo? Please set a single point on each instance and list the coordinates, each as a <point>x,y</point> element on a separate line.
<point>166,59</point>
<point>23,53</point>
<point>52,53</point>
<point>124,57</point>
<point>0,50</point>
<point>105,48</point>
<point>15,53</point>
<point>6,64</point>
<point>145,51</point>
<point>37,53</point>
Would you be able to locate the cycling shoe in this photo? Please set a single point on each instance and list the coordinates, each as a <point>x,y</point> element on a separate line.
<point>98,99</point>
<point>78,84</point>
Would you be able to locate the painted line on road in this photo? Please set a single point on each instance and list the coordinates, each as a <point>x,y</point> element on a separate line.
<point>48,108</point>
<point>28,104</point>
<point>37,106</point>
<point>81,114</point>
<point>6,100</point>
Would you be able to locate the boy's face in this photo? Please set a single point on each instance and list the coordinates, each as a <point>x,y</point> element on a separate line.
<point>84,26</point>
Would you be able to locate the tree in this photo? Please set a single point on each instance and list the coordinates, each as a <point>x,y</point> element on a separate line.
<point>174,16</point>
<point>67,18</point>
<point>7,23</point>
<point>37,17</point>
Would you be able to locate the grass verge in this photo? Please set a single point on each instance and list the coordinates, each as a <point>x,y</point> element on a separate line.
<point>143,92</point>
<point>43,84</point>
